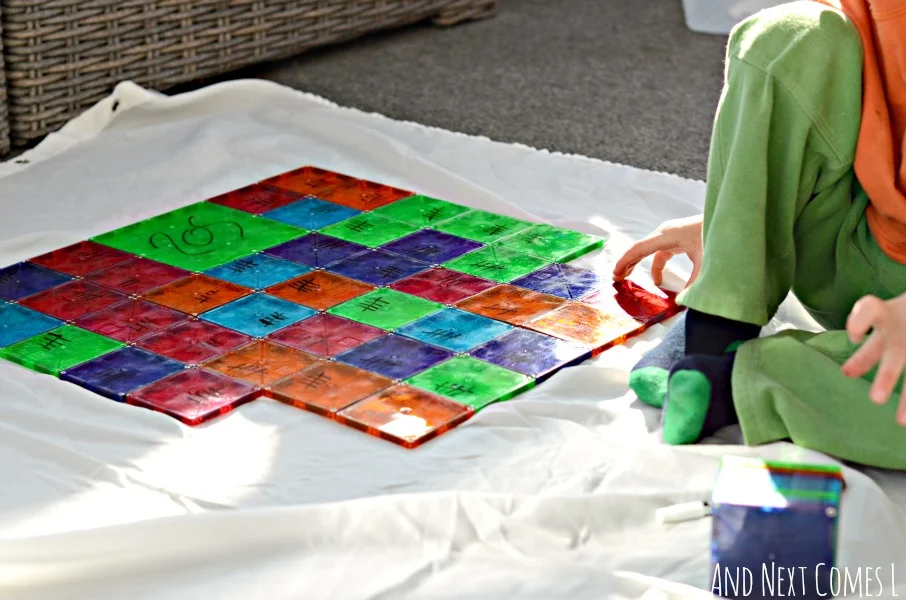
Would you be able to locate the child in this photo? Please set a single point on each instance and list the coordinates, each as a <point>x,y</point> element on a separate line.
<point>806,192</point>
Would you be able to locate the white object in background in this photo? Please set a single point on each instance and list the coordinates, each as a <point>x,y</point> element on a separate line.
<point>687,511</point>
<point>721,16</point>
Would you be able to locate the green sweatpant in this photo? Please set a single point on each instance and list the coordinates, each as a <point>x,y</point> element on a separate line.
<point>785,212</point>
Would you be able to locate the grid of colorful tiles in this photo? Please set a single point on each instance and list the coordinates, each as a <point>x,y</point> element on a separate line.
<point>394,313</point>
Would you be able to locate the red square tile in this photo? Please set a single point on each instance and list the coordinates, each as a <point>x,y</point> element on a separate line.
<point>81,258</point>
<point>443,285</point>
<point>136,275</point>
<point>131,320</point>
<point>73,300</point>
<point>193,342</point>
<point>326,335</point>
<point>257,199</point>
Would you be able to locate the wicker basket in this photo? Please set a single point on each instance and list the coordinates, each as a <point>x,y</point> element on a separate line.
<point>64,55</point>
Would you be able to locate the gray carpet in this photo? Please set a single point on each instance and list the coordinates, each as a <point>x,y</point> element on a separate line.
<point>620,80</point>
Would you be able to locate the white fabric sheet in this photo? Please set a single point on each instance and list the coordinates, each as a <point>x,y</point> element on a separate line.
<point>548,496</point>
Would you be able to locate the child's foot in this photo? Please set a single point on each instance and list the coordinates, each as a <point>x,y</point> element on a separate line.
<point>711,335</point>
<point>699,398</point>
<point>648,378</point>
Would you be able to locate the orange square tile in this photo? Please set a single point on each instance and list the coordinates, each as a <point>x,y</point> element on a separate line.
<point>587,325</point>
<point>319,290</point>
<point>511,304</point>
<point>261,363</point>
<point>196,294</point>
<point>404,415</point>
<point>310,181</point>
<point>327,387</point>
<point>365,195</point>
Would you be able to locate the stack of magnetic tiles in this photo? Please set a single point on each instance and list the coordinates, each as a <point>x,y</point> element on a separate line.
<point>397,314</point>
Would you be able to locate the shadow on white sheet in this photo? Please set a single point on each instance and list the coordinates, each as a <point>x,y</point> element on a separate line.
<point>549,496</point>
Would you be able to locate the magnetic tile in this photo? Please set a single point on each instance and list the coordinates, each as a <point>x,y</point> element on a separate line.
<point>364,195</point>
<point>530,353</point>
<point>131,320</point>
<point>483,226</point>
<point>555,244</point>
<point>496,263</point>
<point>258,315</point>
<point>312,213</point>
<point>377,267</point>
<point>326,335</point>
<point>194,342</point>
<point>59,349</point>
<point>443,285</point>
<point>136,276</point>
<point>18,323</point>
<point>395,356</point>
<point>565,281</point>
<point>511,304</point>
<point>80,258</point>
<point>404,415</point>
<point>72,300</point>
<point>193,396</point>
<point>258,271</point>
<point>369,229</point>
<point>422,211</point>
<point>319,290</point>
<point>386,309</point>
<point>199,236</point>
<point>432,246</point>
<point>643,305</point>
<point>316,250</point>
<point>587,326</point>
<point>262,362</point>
<point>116,374</point>
<point>25,278</point>
<point>327,387</point>
<point>310,181</point>
<point>256,199</point>
<point>455,330</point>
<point>472,382</point>
<point>196,294</point>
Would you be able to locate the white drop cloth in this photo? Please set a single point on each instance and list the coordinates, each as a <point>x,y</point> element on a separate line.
<point>548,496</point>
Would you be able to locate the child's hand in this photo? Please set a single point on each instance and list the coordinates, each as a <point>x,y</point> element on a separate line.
<point>680,236</point>
<point>887,345</point>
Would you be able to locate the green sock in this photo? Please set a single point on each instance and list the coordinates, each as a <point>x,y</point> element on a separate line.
<point>699,399</point>
<point>650,385</point>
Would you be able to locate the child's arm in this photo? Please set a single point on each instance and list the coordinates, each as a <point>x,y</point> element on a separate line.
<point>886,346</point>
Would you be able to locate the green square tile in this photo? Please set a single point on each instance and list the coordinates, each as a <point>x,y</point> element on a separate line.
<point>483,226</point>
<point>386,309</point>
<point>472,382</point>
<point>496,263</point>
<point>554,244</point>
<point>200,236</point>
<point>59,349</point>
<point>370,229</point>
<point>423,211</point>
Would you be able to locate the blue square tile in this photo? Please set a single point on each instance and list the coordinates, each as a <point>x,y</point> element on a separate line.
<point>116,374</point>
<point>395,356</point>
<point>18,323</point>
<point>431,246</point>
<point>378,267</point>
<point>455,330</point>
<point>311,213</point>
<point>25,278</point>
<point>258,314</point>
<point>564,281</point>
<point>258,271</point>
<point>533,354</point>
<point>315,250</point>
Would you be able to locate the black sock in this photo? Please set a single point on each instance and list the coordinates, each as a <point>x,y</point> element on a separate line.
<point>711,335</point>
<point>699,398</point>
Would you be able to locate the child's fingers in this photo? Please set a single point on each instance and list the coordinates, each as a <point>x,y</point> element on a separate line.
<point>657,265</point>
<point>637,252</point>
<point>888,375</point>
<point>867,313</point>
<point>864,358</point>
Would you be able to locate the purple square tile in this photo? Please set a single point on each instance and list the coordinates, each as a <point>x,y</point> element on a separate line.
<point>25,278</point>
<point>530,353</point>
<point>378,267</point>
<point>565,281</point>
<point>432,246</point>
<point>315,250</point>
<point>116,374</point>
<point>395,356</point>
